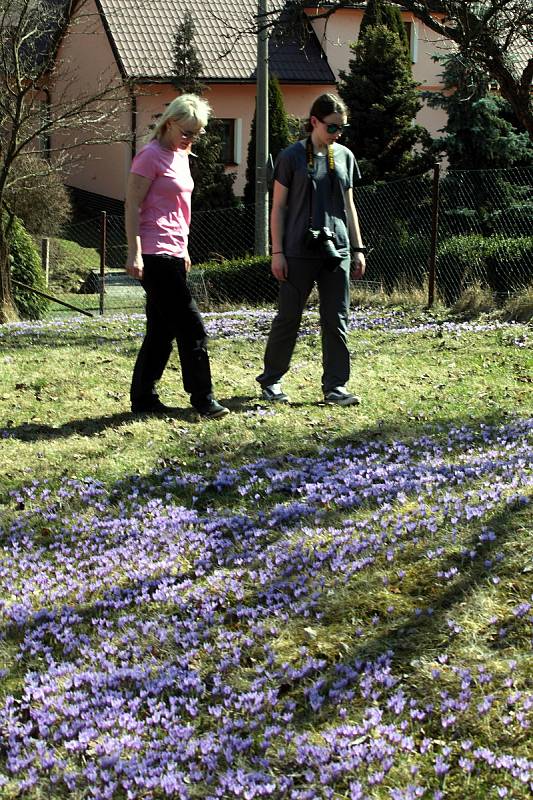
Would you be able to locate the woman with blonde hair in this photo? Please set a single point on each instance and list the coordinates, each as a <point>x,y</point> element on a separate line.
<point>158,213</point>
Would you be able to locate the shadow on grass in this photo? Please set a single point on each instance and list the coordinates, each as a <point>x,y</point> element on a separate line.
<point>267,449</point>
<point>420,635</point>
<point>93,426</point>
<point>85,426</point>
<point>65,337</point>
<point>413,638</point>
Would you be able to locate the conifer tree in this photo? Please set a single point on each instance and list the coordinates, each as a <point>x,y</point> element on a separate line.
<point>383,100</point>
<point>187,64</point>
<point>478,130</point>
<point>493,34</point>
<point>279,135</point>
<point>479,136</point>
<point>213,187</point>
<point>379,12</point>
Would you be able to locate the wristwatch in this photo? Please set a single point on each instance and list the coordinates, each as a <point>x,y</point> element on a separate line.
<point>357,249</point>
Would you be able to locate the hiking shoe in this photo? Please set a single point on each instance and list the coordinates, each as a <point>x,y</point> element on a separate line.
<point>274,394</point>
<point>213,410</point>
<point>340,396</point>
<point>154,406</point>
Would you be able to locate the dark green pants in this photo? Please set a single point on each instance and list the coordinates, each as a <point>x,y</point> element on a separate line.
<point>334,293</point>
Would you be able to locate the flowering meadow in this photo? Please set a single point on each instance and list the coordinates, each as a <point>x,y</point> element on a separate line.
<point>298,602</point>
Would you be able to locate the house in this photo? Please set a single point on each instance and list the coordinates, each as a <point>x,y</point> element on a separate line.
<point>131,42</point>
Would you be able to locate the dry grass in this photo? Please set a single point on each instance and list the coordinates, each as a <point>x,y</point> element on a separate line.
<point>520,307</point>
<point>473,301</point>
<point>477,300</point>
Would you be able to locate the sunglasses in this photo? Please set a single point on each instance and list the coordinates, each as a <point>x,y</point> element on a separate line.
<point>332,127</point>
<point>190,134</point>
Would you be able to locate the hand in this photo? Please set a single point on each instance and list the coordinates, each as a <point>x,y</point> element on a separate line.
<point>358,266</point>
<point>135,267</point>
<point>187,260</point>
<point>279,267</point>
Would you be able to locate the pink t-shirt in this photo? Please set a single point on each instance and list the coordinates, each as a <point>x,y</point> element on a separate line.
<point>165,212</point>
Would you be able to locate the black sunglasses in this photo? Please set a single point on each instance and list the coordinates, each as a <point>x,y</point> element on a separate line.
<point>332,127</point>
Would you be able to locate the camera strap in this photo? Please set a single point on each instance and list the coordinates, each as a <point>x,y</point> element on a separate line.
<point>310,156</point>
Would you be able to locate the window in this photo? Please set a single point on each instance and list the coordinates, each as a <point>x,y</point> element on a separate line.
<point>410,30</point>
<point>231,132</point>
<point>228,140</point>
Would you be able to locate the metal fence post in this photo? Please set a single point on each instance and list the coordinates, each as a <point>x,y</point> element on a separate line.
<point>103,246</point>
<point>45,259</point>
<point>434,235</point>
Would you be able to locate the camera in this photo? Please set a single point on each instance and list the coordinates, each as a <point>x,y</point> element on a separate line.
<point>323,240</point>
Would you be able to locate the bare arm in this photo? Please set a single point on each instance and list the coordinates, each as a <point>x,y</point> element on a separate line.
<point>136,192</point>
<point>277,228</point>
<point>358,263</point>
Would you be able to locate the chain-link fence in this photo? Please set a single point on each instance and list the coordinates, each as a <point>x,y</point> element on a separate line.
<point>435,234</point>
<point>479,223</point>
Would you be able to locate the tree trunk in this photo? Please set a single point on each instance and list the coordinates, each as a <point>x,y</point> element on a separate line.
<point>8,312</point>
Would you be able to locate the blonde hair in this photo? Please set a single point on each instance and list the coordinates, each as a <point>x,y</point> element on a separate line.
<point>184,108</point>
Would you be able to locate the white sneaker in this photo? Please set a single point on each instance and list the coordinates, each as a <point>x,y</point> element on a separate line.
<point>274,394</point>
<point>340,396</point>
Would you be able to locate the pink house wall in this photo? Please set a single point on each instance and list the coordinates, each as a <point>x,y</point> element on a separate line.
<point>87,63</point>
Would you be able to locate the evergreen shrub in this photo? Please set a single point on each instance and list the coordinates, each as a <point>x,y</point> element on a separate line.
<point>398,261</point>
<point>279,135</point>
<point>460,261</point>
<point>502,263</point>
<point>26,268</point>
<point>383,100</point>
<point>223,233</point>
<point>244,280</point>
<point>509,263</point>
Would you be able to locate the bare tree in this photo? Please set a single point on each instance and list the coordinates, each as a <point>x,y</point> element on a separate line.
<point>494,35</point>
<point>46,112</point>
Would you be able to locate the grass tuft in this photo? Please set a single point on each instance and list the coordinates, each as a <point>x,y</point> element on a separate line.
<point>519,308</point>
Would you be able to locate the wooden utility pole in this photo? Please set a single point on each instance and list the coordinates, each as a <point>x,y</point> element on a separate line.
<point>261,129</point>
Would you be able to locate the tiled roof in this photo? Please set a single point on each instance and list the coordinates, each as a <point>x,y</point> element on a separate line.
<point>143,31</point>
<point>519,55</point>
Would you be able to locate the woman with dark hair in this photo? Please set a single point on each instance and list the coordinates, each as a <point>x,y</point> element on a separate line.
<point>158,212</point>
<point>315,240</point>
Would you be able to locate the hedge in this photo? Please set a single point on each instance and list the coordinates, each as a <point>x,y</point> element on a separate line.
<point>396,262</point>
<point>501,263</point>
<point>240,280</point>
<point>509,263</point>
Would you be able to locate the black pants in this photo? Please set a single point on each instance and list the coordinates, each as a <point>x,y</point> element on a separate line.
<point>171,313</point>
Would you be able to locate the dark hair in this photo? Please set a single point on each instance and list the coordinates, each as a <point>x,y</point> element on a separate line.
<point>324,105</point>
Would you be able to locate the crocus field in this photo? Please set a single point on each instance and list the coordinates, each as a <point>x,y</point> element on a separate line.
<point>352,620</point>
